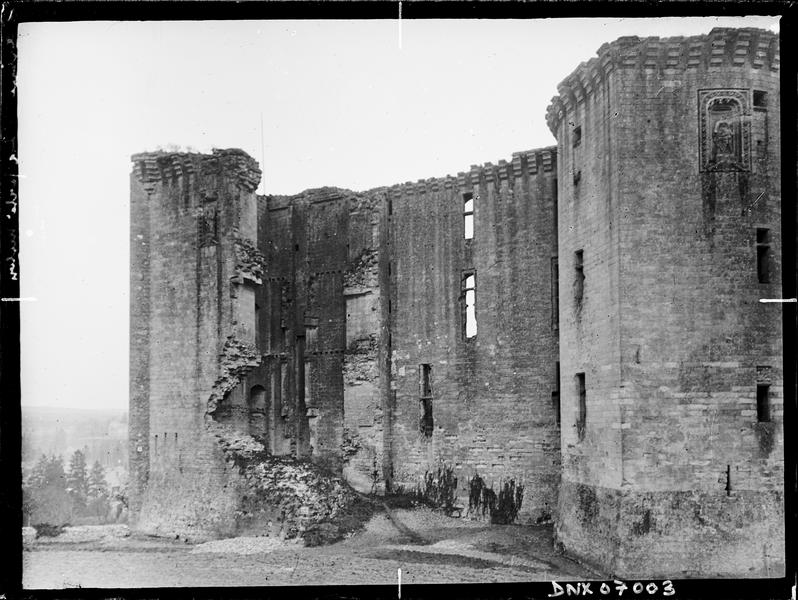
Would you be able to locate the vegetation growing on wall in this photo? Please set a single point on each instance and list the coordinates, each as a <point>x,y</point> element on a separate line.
<point>439,488</point>
<point>501,508</point>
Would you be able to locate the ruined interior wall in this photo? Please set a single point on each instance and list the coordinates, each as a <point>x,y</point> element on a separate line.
<point>364,372</point>
<point>322,252</point>
<point>692,331</point>
<point>276,240</point>
<point>492,394</point>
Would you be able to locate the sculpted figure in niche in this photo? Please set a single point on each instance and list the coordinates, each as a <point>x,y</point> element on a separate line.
<point>724,150</point>
<point>723,131</point>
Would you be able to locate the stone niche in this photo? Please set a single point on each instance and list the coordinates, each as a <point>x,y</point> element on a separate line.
<point>725,130</point>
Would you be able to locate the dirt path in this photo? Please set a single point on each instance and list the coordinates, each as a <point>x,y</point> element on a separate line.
<point>449,551</point>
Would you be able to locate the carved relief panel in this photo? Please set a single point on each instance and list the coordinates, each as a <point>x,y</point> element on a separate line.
<point>725,130</point>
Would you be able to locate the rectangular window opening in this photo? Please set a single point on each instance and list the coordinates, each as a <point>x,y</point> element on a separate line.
<point>555,293</point>
<point>555,394</point>
<point>760,99</point>
<point>469,301</point>
<point>763,255</point>
<point>468,215</point>
<point>426,424</point>
<point>555,203</point>
<point>579,279</point>
<point>763,402</point>
<point>577,136</point>
<point>581,419</point>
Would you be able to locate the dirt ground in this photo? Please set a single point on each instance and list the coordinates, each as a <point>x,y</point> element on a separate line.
<point>428,547</point>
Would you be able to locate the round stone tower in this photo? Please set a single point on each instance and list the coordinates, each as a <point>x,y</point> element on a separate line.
<point>671,368</point>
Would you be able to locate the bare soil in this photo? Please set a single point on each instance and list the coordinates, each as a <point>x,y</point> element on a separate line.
<point>427,546</point>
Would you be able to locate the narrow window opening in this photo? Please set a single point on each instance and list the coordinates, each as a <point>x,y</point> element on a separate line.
<point>390,206</point>
<point>577,136</point>
<point>581,418</point>
<point>426,424</point>
<point>579,279</point>
<point>555,394</point>
<point>555,293</point>
<point>389,307</point>
<point>760,99</point>
<point>468,215</point>
<point>763,402</point>
<point>555,203</point>
<point>763,255</point>
<point>469,310</point>
<point>258,326</point>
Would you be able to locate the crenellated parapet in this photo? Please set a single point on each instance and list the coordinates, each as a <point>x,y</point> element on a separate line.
<point>524,164</point>
<point>721,48</point>
<point>151,168</point>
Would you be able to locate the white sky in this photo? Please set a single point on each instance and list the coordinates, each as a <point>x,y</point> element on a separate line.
<point>342,103</point>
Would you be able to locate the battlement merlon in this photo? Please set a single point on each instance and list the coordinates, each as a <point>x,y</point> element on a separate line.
<point>151,168</point>
<point>528,163</point>
<point>720,49</point>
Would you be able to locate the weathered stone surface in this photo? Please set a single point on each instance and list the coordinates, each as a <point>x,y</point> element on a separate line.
<point>281,342</point>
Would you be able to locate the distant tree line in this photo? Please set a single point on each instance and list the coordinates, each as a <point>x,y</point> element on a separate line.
<point>79,495</point>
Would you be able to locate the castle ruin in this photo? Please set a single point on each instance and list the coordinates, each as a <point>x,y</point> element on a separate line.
<point>583,319</point>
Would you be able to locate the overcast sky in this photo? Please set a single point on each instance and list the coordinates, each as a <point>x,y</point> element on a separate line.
<point>355,104</point>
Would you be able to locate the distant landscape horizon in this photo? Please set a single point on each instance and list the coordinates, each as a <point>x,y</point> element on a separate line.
<point>53,408</point>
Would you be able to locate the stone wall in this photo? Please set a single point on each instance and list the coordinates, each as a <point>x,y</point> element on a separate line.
<point>680,163</point>
<point>322,254</point>
<point>491,394</point>
<point>622,370</point>
<point>188,212</point>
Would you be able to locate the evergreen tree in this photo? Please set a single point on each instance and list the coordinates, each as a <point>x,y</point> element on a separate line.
<point>77,483</point>
<point>48,499</point>
<point>98,492</point>
<point>36,477</point>
<point>54,475</point>
<point>77,479</point>
<point>98,488</point>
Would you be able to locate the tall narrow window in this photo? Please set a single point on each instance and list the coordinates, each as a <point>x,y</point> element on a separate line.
<point>581,418</point>
<point>763,255</point>
<point>576,141</point>
<point>258,326</point>
<point>555,394</point>
<point>469,303</point>
<point>555,217</point>
<point>555,293</point>
<point>468,215</point>
<point>577,136</point>
<point>425,391</point>
<point>579,279</point>
<point>762,402</point>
